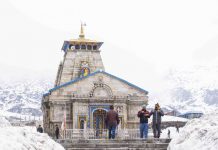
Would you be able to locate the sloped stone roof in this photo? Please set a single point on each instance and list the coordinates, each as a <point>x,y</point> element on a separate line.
<point>92,74</point>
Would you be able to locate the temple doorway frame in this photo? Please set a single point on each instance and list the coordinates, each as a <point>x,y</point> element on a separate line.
<point>102,116</point>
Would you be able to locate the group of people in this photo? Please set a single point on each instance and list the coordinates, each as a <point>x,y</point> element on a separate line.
<point>144,115</point>
<point>57,133</point>
<point>112,120</point>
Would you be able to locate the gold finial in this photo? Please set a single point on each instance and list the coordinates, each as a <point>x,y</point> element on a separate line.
<point>82,35</point>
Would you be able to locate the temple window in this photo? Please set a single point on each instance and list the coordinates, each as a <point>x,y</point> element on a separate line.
<point>77,46</point>
<point>95,47</point>
<point>67,116</point>
<point>72,47</point>
<point>47,114</point>
<point>83,46</point>
<point>89,47</point>
<point>82,124</point>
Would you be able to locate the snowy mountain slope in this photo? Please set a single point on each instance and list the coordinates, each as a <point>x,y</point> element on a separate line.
<point>23,97</point>
<point>198,134</point>
<point>190,89</point>
<point>4,122</point>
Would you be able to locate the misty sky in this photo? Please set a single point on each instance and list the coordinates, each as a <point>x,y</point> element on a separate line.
<point>142,39</point>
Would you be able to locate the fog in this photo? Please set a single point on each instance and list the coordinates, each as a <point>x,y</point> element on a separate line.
<point>143,40</point>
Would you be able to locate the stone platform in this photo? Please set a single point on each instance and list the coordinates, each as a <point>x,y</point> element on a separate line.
<point>117,144</point>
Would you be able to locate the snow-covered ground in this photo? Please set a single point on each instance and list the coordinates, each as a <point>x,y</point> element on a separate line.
<point>4,122</point>
<point>167,118</point>
<point>198,134</point>
<point>24,138</point>
<point>173,118</point>
<point>173,132</point>
<point>18,116</point>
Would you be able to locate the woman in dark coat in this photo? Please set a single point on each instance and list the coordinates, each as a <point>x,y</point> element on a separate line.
<point>156,121</point>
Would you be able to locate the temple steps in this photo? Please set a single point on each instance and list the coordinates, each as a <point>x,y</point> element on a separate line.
<point>120,148</point>
<point>105,144</point>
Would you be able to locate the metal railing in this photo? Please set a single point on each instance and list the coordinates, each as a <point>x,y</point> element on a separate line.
<point>102,134</point>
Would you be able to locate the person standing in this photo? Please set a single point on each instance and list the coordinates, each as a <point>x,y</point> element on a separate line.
<point>40,129</point>
<point>177,127</point>
<point>143,115</point>
<point>112,120</point>
<point>156,121</point>
<point>168,134</point>
<point>57,132</point>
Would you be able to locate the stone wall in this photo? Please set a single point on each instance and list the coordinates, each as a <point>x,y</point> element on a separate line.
<point>73,60</point>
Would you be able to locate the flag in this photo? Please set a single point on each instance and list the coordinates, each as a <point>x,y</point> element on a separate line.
<point>83,23</point>
<point>63,125</point>
<point>65,46</point>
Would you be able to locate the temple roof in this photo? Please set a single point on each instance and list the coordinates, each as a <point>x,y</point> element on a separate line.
<point>92,74</point>
<point>81,41</point>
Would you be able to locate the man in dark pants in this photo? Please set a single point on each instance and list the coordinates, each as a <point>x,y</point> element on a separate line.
<point>143,115</point>
<point>156,121</point>
<point>177,127</point>
<point>112,120</point>
<point>57,132</point>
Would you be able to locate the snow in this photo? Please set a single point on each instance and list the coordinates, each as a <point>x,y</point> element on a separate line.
<point>23,97</point>
<point>24,138</point>
<point>4,122</point>
<point>173,118</point>
<point>167,118</point>
<point>19,117</point>
<point>200,133</point>
<point>188,89</point>
<point>173,132</point>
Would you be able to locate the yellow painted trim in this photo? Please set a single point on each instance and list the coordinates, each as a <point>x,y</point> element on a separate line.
<point>79,118</point>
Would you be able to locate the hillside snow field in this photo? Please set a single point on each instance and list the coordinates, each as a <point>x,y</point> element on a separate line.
<point>193,88</point>
<point>24,138</point>
<point>23,97</point>
<point>198,134</point>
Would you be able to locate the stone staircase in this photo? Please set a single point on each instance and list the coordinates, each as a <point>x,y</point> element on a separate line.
<point>117,144</point>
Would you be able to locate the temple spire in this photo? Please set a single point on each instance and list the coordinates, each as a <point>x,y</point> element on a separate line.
<point>82,35</point>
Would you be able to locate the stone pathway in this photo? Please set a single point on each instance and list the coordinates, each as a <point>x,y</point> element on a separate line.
<point>117,144</point>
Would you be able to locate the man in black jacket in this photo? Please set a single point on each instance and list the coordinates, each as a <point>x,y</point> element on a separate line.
<point>40,129</point>
<point>143,115</point>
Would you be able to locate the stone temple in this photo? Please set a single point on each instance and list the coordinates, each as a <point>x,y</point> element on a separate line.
<point>83,91</point>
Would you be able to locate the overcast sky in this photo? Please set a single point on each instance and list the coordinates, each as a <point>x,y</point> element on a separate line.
<point>142,39</point>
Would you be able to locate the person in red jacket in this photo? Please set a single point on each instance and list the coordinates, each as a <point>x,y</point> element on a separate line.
<point>143,115</point>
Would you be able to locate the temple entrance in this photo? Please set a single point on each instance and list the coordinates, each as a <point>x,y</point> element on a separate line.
<point>99,119</point>
<point>99,122</point>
